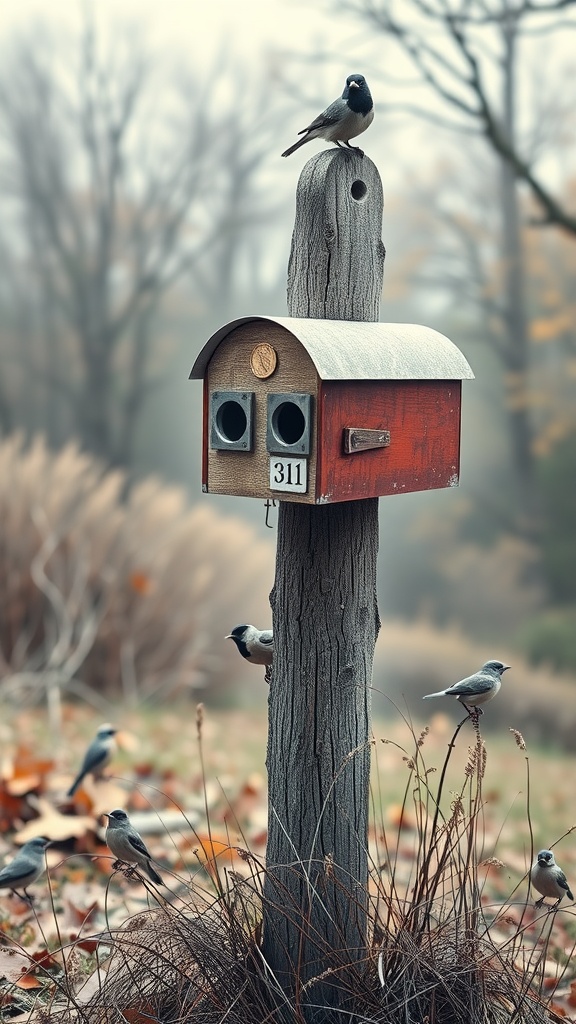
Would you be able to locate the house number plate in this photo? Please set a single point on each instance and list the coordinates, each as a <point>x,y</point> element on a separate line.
<point>288,475</point>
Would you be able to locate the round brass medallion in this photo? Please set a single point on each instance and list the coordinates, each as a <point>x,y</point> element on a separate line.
<point>263,360</point>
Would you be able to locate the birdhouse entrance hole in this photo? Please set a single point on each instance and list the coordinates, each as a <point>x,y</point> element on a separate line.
<point>231,420</point>
<point>288,423</point>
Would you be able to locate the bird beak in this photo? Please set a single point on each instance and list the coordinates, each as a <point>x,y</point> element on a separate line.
<point>354,85</point>
<point>229,636</point>
<point>506,667</point>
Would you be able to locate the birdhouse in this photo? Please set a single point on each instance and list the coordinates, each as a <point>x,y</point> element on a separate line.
<point>320,411</point>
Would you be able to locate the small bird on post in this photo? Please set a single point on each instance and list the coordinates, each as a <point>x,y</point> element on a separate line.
<point>127,844</point>
<point>256,645</point>
<point>476,689</point>
<point>348,116</point>
<point>25,868</point>
<point>97,756</point>
<point>548,879</point>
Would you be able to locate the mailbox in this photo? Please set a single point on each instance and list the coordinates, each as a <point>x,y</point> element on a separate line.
<point>320,411</point>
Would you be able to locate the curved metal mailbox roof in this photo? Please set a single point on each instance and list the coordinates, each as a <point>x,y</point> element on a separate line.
<point>352,350</point>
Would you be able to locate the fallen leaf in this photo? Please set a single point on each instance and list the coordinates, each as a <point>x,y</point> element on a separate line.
<point>54,825</point>
<point>79,909</point>
<point>556,1008</point>
<point>45,959</point>
<point>87,944</point>
<point>28,981</point>
<point>12,963</point>
<point>23,784</point>
<point>139,1014</point>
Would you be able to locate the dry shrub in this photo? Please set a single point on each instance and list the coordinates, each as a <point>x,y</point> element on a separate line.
<point>417,658</point>
<point>134,595</point>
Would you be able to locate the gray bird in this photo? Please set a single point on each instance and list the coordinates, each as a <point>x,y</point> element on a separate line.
<point>127,844</point>
<point>256,645</point>
<point>548,879</point>
<point>97,756</point>
<point>26,867</point>
<point>476,689</point>
<point>350,115</point>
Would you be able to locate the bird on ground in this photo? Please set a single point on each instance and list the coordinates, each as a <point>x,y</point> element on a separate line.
<point>476,689</point>
<point>26,867</point>
<point>548,879</point>
<point>97,756</point>
<point>127,844</point>
<point>348,116</point>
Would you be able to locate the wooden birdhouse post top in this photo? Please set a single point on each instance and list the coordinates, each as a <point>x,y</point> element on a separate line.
<point>319,411</point>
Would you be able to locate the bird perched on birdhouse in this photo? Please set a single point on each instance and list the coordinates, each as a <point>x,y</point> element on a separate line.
<point>346,118</point>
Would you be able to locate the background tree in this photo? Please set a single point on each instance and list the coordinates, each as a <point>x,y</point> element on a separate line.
<point>478,74</point>
<point>116,184</point>
<point>458,49</point>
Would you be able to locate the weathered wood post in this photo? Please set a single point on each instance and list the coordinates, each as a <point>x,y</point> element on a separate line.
<point>326,410</point>
<point>325,622</point>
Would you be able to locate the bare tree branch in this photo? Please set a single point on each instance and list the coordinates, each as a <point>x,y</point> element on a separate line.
<point>454,71</point>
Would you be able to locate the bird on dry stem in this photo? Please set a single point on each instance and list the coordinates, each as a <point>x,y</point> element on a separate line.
<point>476,689</point>
<point>127,844</point>
<point>549,879</point>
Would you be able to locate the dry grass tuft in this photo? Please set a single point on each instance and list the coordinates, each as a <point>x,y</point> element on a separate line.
<point>443,948</point>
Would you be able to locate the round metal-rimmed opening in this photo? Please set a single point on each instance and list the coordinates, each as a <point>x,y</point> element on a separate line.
<point>288,423</point>
<point>231,421</point>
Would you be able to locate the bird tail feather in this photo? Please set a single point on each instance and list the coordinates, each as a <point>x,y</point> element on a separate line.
<point>75,785</point>
<point>292,149</point>
<point>154,875</point>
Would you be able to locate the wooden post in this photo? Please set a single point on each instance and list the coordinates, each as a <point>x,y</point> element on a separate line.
<point>325,621</point>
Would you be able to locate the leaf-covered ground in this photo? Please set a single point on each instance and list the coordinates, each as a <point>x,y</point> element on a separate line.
<point>197,795</point>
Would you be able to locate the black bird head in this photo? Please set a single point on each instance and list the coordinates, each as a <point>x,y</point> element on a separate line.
<point>357,94</point>
<point>546,858</point>
<point>118,815</point>
<point>237,635</point>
